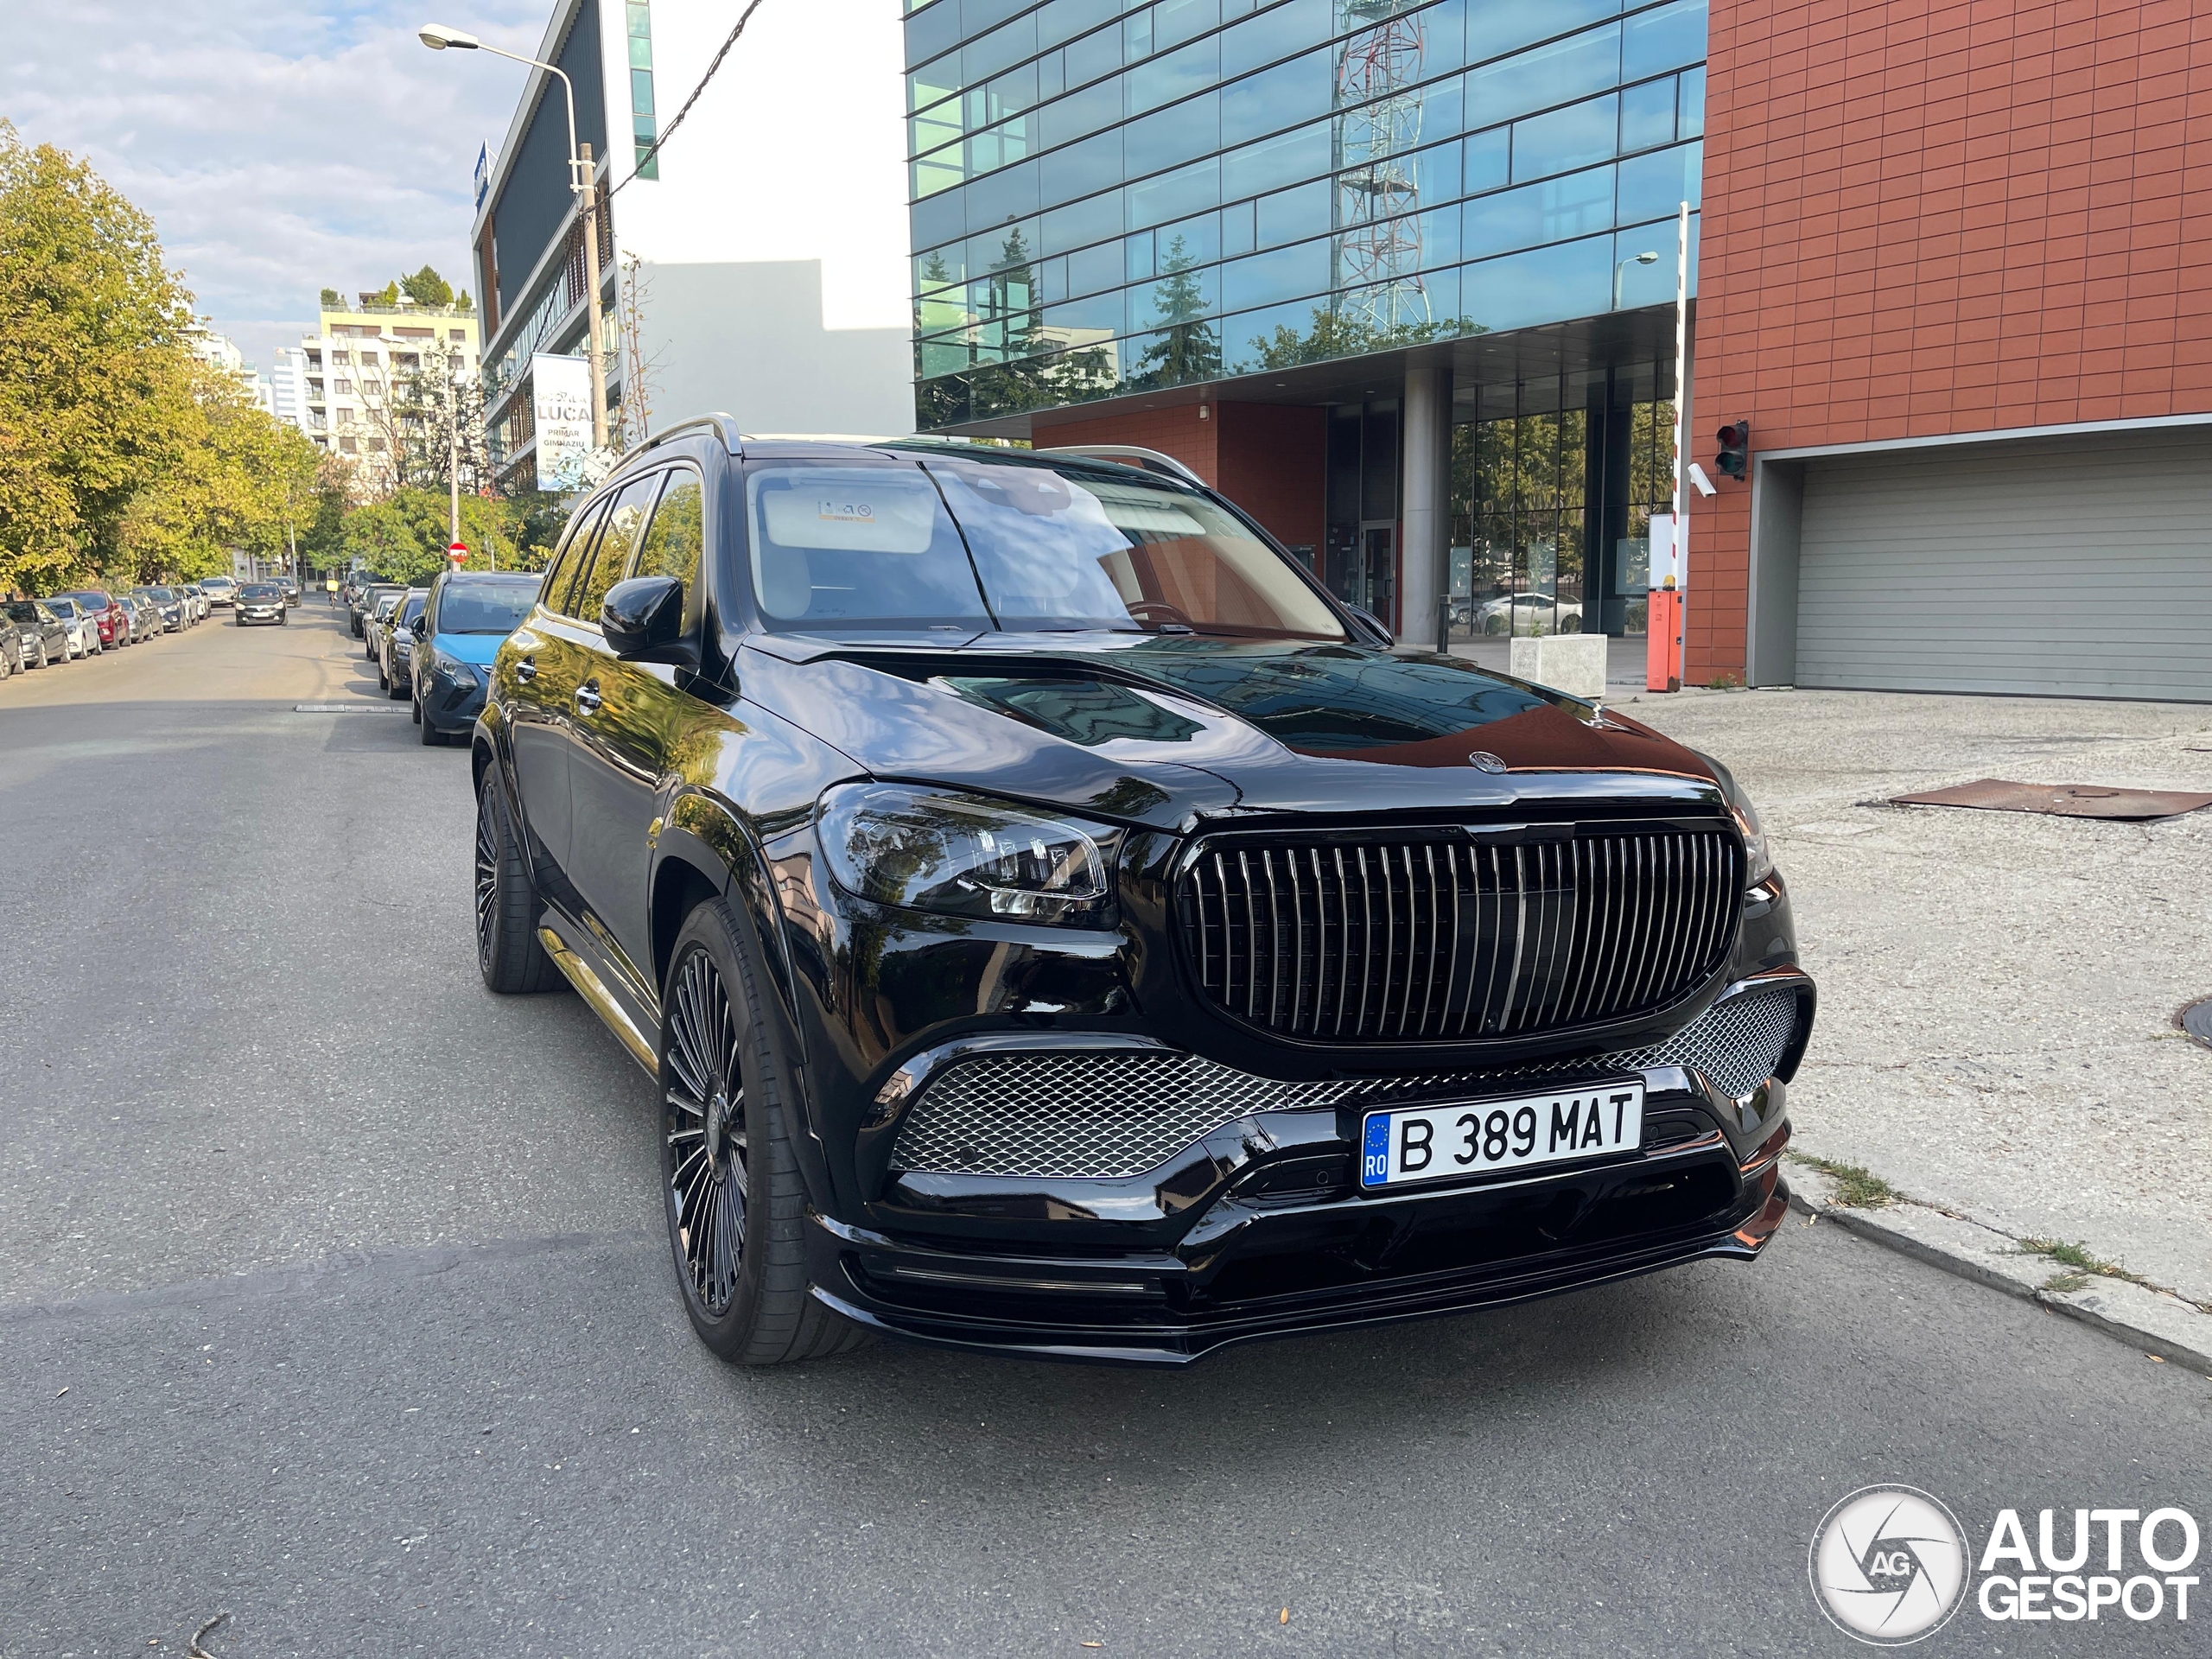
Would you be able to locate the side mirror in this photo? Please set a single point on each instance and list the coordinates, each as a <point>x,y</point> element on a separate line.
<point>1373,623</point>
<point>420,627</point>
<point>643,620</point>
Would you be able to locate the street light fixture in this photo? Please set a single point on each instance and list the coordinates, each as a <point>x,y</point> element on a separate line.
<point>1619,271</point>
<point>439,37</point>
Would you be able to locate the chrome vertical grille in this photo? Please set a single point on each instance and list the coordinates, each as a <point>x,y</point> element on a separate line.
<point>1443,936</point>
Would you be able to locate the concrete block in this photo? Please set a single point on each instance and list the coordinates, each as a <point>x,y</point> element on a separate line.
<point>1572,662</point>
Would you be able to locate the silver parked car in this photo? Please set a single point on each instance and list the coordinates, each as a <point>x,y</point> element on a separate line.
<point>84,625</point>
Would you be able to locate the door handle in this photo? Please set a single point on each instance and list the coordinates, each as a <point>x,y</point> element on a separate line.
<point>525,671</point>
<point>588,698</point>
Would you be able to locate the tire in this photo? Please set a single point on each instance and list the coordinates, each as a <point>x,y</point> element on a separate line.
<point>1570,625</point>
<point>43,661</point>
<point>393,689</point>
<point>432,737</point>
<point>730,1186</point>
<point>508,953</point>
<point>384,682</point>
<point>415,709</point>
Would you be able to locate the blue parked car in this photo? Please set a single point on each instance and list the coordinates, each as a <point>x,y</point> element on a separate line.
<point>469,616</point>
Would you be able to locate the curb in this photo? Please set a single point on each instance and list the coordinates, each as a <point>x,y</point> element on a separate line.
<point>2158,1323</point>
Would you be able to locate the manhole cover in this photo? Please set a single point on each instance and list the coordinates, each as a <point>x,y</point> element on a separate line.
<point>2197,1020</point>
<point>2061,800</point>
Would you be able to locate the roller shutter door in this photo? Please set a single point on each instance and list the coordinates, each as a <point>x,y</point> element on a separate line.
<point>2068,567</point>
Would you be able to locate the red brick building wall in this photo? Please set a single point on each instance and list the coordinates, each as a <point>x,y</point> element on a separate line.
<point>1268,459</point>
<point>1934,216</point>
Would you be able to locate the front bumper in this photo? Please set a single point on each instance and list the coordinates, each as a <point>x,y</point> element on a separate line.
<point>450,706</point>
<point>948,1218</point>
<point>1262,1264</point>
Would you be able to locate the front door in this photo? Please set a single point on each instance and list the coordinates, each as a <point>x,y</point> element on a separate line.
<point>537,680</point>
<point>621,732</point>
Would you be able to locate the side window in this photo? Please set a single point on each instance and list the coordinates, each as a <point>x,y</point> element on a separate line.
<point>675,539</point>
<point>618,543</point>
<point>574,551</point>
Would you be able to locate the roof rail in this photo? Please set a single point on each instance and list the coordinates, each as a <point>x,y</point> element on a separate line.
<point>1151,460</point>
<point>719,421</point>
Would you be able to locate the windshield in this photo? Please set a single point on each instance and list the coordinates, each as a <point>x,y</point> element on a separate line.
<point>411,609</point>
<point>62,606</point>
<point>258,590</point>
<point>1026,546</point>
<point>22,610</point>
<point>486,606</point>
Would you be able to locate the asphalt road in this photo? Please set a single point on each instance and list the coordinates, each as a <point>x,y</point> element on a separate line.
<point>333,1296</point>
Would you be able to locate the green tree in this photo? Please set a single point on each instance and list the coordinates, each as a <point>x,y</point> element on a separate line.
<point>1186,346</point>
<point>330,298</point>
<point>121,453</point>
<point>1013,373</point>
<point>426,287</point>
<point>93,375</point>
<point>240,482</point>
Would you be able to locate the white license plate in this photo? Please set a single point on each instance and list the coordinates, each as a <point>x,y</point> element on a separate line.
<point>1478,1137</point>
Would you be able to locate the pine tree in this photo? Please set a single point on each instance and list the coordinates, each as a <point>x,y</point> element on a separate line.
<point>1186,346</point>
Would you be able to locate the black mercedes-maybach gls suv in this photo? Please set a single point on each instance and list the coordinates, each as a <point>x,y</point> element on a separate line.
<point>1054,925</point>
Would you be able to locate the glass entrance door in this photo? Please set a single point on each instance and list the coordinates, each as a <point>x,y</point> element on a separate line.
<point>1375,577</point>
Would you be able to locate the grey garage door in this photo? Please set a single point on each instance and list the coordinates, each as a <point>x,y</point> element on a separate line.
<point>2070,567</point>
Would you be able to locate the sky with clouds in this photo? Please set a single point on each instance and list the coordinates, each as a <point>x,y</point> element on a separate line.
<point>281,146</point>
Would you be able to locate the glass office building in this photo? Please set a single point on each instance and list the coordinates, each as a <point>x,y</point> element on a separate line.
<point>1223,203</point>
<point>1118,211</point>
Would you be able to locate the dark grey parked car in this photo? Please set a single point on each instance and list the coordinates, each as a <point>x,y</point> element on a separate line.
<point>259,602</point>
<point>41,636</point>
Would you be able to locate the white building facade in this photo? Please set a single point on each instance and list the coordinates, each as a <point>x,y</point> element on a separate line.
<point>347,373</point>
<point>221,352</point>
<point>756,264</point>
<point>288,386</point>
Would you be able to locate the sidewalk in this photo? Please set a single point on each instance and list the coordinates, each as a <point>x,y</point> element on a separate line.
<point>1998,990</point>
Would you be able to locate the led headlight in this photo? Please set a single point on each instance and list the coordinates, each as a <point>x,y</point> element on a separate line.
<point>1758,858</point>
<point>963,855</point>
<point>451,668</point>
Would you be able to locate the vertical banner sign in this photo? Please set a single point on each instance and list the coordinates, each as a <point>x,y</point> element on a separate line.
<point>561,403</point>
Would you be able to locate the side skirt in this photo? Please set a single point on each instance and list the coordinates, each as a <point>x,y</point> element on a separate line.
<point>602,1001</point>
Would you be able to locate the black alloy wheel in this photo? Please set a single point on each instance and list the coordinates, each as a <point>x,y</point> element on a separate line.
<point>730,1181</point>
<point>705,1135</point>
<point>509,953</point>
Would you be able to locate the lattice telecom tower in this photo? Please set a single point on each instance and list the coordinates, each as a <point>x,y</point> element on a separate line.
<point>1376,193</point>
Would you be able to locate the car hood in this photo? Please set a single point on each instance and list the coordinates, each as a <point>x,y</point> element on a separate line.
<point>477,648</point>
<point>1168,729</point>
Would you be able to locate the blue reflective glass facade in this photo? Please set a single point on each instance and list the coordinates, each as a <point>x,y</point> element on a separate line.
<point>1108,197</point>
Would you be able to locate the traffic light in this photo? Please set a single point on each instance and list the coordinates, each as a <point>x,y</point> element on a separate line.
<point>1735,456</point>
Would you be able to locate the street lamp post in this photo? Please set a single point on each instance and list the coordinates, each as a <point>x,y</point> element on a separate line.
<point>582,181</point>
<point>1621,269</point>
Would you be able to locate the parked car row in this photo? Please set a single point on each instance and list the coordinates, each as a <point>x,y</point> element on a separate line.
<point>435,645</point>
<point>86,621</point>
